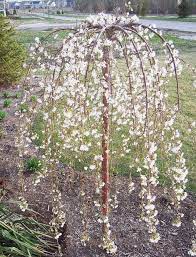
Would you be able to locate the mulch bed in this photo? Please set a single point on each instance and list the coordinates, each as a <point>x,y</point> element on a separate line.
<point>130,234</point>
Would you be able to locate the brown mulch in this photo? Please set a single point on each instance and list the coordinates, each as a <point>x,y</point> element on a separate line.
<point>130,234</point>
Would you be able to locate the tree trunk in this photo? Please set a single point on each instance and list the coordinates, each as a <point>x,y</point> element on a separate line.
<point>105,138</point>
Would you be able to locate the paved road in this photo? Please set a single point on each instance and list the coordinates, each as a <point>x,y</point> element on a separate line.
<point>172,25</point>
<point>188,29</point>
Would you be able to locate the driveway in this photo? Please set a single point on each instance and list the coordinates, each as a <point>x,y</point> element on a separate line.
<point>187,29</point>
<point>172,25</point>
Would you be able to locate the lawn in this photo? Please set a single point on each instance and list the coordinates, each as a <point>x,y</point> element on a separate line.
<point>28,37</point>
<point>16,21</point>
<point>187,50</point>
<point>73,15</point>
<point>183,45</point>
<point>187,116</point>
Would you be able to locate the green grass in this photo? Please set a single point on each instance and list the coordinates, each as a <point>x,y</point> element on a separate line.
<point>7,103</point>
<point>73,15</point>
<point>33,165</point>
<point>16,21</point>
<point>187,116</point>
<point>170,18</point>
<point>28,37</point>
<point>188,95</point>
<point>183,45</point>
<point>21,20</point>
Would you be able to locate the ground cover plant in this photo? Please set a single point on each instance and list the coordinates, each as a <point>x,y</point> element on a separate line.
<point>6,94</point>
<point>21,236</point>
<point>33,164</point>
<point>106,94</point>
<point>2,115</point>
<point>7,103</point>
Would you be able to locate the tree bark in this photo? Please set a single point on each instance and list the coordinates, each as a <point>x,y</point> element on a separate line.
<point>105,137</point>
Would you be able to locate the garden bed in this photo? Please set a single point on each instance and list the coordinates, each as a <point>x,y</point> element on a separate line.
<point>129,233</point>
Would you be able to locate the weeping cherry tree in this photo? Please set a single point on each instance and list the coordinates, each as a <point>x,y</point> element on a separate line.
<point>105,100</point>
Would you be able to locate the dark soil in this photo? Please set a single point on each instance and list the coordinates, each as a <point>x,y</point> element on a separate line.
<point>130,234</point>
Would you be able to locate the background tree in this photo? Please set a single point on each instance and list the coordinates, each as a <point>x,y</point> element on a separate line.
<point>100,5</point>
<point>143,7</point>
<point>12,55</point>
<point>82,5</point>
<point>184,9</point>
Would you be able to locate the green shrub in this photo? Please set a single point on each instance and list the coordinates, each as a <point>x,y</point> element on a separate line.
<point>144,8</point>
<point>7,103</point>
<point>12,55</point>
<point>33,164</point>
<point>2,115</point>
<point>58,12</point>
